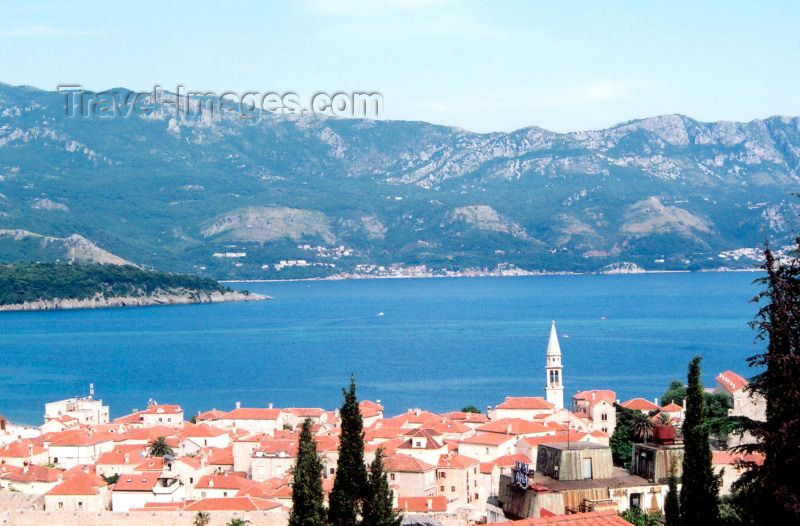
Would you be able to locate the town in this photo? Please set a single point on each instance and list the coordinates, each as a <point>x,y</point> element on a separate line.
<point>527,457</point>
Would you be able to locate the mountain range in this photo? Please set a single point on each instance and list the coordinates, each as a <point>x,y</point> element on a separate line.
<point>289,196</point>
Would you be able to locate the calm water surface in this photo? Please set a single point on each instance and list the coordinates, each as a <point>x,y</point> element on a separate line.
<point>440,343</point>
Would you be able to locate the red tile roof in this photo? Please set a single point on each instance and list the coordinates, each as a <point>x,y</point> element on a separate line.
<point>21,449</point>
<point>231,504</point>
<point>456,461</point>
<point>525,402</point>
<point>596,396</point>
<point>81,437</point>
<point>200,430</point>
<point>515,426</point>
<point>726,457</point>
<point>640,404</point>
<point>80,484</point>
<point>672,408</point>
<point>31,474</point>
<point>405,463</point>
<point>221,456</point>
<point>150,464</point>
<point>592,518</point>
<point>510,460</point>
<point>136,482</point>
<point>422,504</point>
<point>245,413</point>
<point>311,412</point>
<point>214,414</point>
<point>731,381</point>
<point>573,436</point>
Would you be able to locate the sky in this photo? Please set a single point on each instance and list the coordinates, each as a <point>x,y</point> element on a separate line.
<point>482,66</point>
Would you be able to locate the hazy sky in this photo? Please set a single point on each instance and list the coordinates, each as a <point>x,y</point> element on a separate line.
<point>483,66</point>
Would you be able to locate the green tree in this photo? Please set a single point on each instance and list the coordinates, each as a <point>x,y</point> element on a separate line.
<point>378,508</point>
<point>470,409</point>
<point>771,494</point>
<point>672,506</point>
<point>201,519</point>
<point>698,501</point>
<point>642,427</point>
<point>621,441</point>
<point>307,498</point>
<point>111,479</point>
<point>675,393</point>
<point>160,448</point>
<point>350,487</point>
<point>236,522</point>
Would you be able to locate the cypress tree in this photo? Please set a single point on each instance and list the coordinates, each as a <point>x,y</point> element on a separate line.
<point>698,501</point>
<point>773,493</point>
<point>378,508</point>
<point>350,487</point>
<point>672,507</point>
<point>307,497</point>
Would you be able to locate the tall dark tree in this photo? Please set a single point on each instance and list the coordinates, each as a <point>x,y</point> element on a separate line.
<point>698,500</point>
<point>672,507</point>
<point>308,507</point>
<point>772,489</point>
<point>350,487</point>
<point>378,508</point>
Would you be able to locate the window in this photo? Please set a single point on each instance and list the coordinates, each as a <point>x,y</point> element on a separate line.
<point>80,506</point>
<point>476,496</point>
<point>636,500</point>
<point>452,488</point>
<point>442,475</point>
<point>487,450</point>
<point>191,480</point>
<point>61,505</point>
<point>202,494</point>
<point>441,488</point>
<point>391,476</point>
<point>604,417</point>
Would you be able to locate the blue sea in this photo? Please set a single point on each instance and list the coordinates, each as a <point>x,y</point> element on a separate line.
<point>438,344</point>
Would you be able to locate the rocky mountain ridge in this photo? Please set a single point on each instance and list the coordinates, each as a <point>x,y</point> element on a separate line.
<point>302,196</point>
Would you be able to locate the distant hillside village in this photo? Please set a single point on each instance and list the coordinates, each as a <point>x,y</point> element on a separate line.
<point>527,458</point>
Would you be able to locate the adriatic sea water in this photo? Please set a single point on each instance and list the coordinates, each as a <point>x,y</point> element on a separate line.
<point>437,344</point>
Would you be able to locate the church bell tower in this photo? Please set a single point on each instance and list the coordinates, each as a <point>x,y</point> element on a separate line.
<point>554,386</point>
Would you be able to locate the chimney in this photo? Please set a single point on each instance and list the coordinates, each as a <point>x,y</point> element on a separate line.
<point>508,429</point>
<point>378,401</point>
<point>270,405</point>
<point>86,468</point>
<point>210,482</point>
<point>594,395</point>
<point>30,450</point>
<point>429,503</point>
<point>617,401</point>
<point>655,401</point>
<point>238,405</point>
<point>24,467</point>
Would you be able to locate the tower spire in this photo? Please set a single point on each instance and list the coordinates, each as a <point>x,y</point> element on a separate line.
<point>554,388</point>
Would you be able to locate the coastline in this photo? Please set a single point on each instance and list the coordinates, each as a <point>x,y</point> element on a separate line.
<point>134,301</point>
<point>488,274</point>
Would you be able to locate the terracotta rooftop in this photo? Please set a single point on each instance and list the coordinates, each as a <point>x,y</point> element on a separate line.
<point>515,426</point>
<point>231,504</point>
<point>640,404</point>
<point>246,413</point>
<point>405,463</point>
<point>510,460</point>
<point>80,484</point>
<point>422,504</point>
<point>31,474</point>
<point>80,438</point>
<point>21,449</point>
<point>559,437</point>
<point>726,457</point>
<point>596,396</point>
<point>672,408</point>
<point>214,414</point>
<point>456,461</point>
<point>136,482</point>
<point>731,381</point>
<point>525,402</point>
<point>593,518</point>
